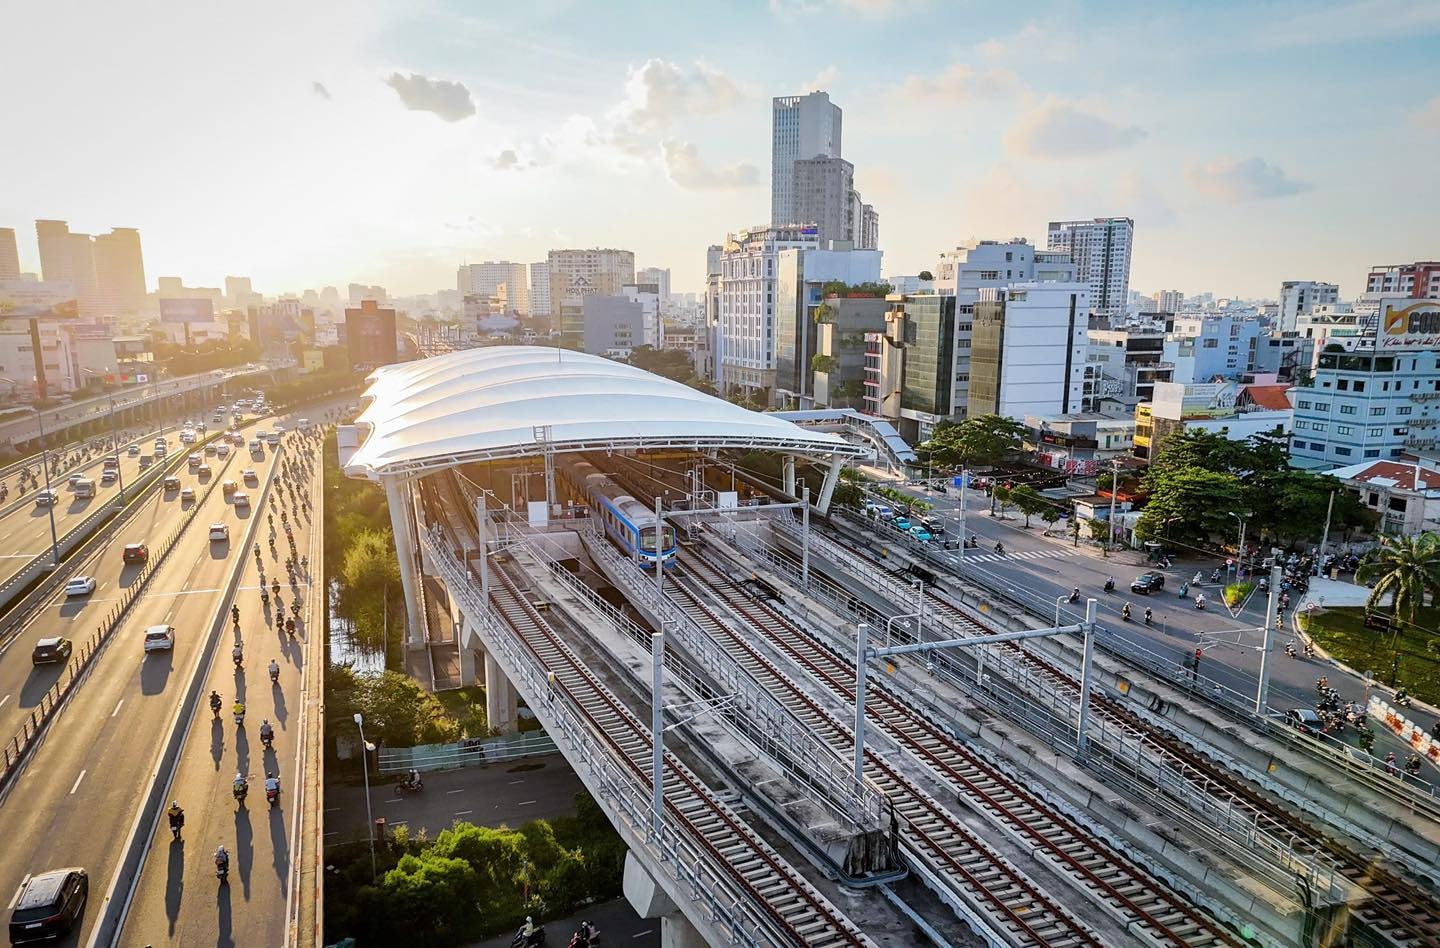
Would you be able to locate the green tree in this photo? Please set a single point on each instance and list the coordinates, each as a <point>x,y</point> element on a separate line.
<point>926,275</point>
<point>1002,495</point>
<point>985,440</point>
<point>398,712</point>
<point>1189,504</point>
<point>823,363</point>
<point>1028,501</point>
<point>671,363</point>
<point>1403,569</point>
<point>427,899</point>
<point>824,313</point>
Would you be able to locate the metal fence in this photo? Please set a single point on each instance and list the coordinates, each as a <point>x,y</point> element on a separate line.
<point>467,753</point>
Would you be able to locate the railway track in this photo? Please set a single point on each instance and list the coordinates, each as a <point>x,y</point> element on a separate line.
<point>792,906</point>
<point>1138,902</point>
<point>1398,909</point>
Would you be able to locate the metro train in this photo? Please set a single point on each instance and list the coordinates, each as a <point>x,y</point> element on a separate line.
<point>628,523</point>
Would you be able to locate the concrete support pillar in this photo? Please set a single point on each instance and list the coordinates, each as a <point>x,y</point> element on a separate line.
<point>397,493</point>
<point>467,659</point>
<point>500,707</point>
<point>832,477</point>
<point>790,475</point>
<point>650,901</point>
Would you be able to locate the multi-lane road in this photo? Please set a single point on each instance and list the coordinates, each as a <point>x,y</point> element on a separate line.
<point>78,795</point>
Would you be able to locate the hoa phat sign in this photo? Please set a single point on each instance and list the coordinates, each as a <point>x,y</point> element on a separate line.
<point>1409,324</point>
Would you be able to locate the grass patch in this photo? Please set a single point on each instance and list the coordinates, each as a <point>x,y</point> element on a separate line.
<point>1408,649</point>
<point>1235,593</point>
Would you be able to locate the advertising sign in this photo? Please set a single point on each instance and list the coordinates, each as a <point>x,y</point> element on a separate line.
<point>1409,324</point>
<point>187,311</point>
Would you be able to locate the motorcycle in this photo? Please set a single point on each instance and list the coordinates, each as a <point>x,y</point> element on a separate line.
<point>240,791</point>
<point>1200,603</point>
<point>581,940</point>
<point>222,870</point>
<point>1125,613</point>
<point>1075,596</point>
<point>1147,616</point>
<point>521,941</point>
<point>1402,698</point>
<point>264,597</point>
<point>406,785</point>
<point>272,794</point>
<point>1109,585</point>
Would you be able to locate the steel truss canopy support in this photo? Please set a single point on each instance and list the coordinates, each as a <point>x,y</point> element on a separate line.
<point>486,404</point>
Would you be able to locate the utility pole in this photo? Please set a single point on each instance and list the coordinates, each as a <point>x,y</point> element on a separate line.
<point>1262,694</point>
<point>659,551</point>
<point>657,733</point>
<point>45,466</point>
<point>1325,537</point>
<point>964,477</point>
<point>115,451</point>
<point>805,537</point>
<point>862,644</point>
<point>1114,489</point>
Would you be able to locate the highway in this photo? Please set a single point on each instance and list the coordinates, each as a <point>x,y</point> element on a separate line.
<point>178,900</point>
<point>26,527</point>
<point>78,794</point>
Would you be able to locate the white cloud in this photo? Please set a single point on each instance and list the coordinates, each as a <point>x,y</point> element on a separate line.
<point>319,89</point>
<point>1233,180</point>
<point>658,93</point>
<point>688,170</point>
<point>959,83</point>
<point>1030,44</point>
<point>450,101</point>
<point>823,79</point>
<point>1057,129</point>
<point>1429,115</point>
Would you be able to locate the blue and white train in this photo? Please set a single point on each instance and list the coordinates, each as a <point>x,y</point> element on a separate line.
<point>628,523</point>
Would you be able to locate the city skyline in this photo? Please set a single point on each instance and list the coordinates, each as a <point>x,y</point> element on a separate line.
<point>382,149</point>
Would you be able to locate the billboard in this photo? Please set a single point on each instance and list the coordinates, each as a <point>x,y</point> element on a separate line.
<point>187,311</point>
<point>1409,324</point>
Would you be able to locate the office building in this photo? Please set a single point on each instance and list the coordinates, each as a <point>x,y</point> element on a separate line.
<point>1027,353</point>
<point>802,126</point>
<point>575,274</point>
<point>238,291</point>
<point>540,289</point>
<point>1379,399</point>
<point>909,377</point>
<point>370,335</point>
<point>867,232</point>
<point>485,279</point>
<point>746,287</point>
<point>1131,361</point>
<point>652,320</point>
<point>1298,297</point>
<point>821,195</point>
<point>9,255</point>
<point>836,372</point>
<point>1100,250</point>
<point>1211,347</point>
<point>120,272</point>
<point>55,251</point>
<point>1420,280</point>
<point>659,277</point>
<point>801,275</point>
<point>612,325</point>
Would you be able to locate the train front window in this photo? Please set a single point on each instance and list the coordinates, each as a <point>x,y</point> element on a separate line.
<point>647,539</point>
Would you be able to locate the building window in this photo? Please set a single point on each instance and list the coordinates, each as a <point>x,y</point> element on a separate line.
<point>1343,452</point>
<point>1403,410</point>
<point>1373,453</point>
<point>1210,343</point>
<point>1359,385</point>
<point>1344,429</point>
<point>1301,425</point>
<point>1343,385</point>
<point>1350,410</point>
<point>1304,404</point>
<point>1376,432</point>
<point>1380,410</point>
<point>1400,432</point>
<point>1320,426</point>
<point>1322,406</point>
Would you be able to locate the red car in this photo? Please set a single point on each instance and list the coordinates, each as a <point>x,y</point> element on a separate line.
<point>136,553</point>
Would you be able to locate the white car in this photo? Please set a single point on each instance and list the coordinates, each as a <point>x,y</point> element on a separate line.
<point>187,493</point>
<point>159,638</point>
<point>80,586</point>
<point>219,532</point>
<point>222,451</point>
<point>133,450</point>
<point>242,499</point>
<point>255,447</point>
<point>202,471</point>
<point>248,476</point>
<point>45,498</point>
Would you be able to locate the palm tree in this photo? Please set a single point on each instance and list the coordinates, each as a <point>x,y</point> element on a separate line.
<point>1405,569</point>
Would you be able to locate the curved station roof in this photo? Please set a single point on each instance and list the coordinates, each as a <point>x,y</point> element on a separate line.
<point>502,402</point>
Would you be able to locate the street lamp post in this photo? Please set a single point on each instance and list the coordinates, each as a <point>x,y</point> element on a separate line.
<point>365,767</point>
<point>45,466</point>
<point>115,451</point>
<point>1240,553</point>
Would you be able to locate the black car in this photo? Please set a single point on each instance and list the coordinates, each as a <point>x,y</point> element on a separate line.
<point>48,905</point>
<point>1147,583</point>
<point>51,651</point>
<point>135,553</point>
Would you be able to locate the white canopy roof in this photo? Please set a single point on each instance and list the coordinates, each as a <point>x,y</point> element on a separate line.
<point>491,403</point>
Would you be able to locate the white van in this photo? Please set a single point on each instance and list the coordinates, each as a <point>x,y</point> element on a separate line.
<point>85,487</point>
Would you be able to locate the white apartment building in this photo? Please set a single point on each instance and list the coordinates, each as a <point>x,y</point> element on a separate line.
<point>1169,301</point>
<point>486,279</point>
<point>1100,250</point>
<point>802,126</point>
<point>745,330</point>
<point>652,323</point>
<point>1298,297</point>
<point>540,289</point>
<point>18,369</point>
<point>9,255</point>
<point>1028,351</point>
<point>575,274</point>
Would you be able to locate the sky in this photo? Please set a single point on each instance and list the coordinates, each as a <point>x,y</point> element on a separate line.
<point>331,141</point>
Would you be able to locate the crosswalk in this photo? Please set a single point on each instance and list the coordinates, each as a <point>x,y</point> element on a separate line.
<point>1019,555</point>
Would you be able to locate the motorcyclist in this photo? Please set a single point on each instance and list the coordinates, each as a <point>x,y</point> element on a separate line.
<point>222,859</point>
<point>530,930</point>
<point>272,786</point>
<point>215,703</point>
<point>1290,649</point>
<point>1125,611</point>
<point>999,547</point>
<point>274,670</point>
<point>237,655</point>
<point>1200,601</point>
<point>267,733</point>
<point>239,711</point>
<point>1075,594</point>
<point>240,787</point>
<point>1110,584</point>
<point>1148,614</point>
<point>584,935</point>
<point>1402,696</point>
<point>176,817</point>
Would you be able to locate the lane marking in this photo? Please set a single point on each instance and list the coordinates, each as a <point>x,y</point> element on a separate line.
<point>5,699</point>
<point>396,800</point>
<point>333,809</point>
<point>642,934</point>
<point>514,782</point>
<point>117,708</point>
<point>76,785</point>
<point>463,812</point>
<point>461,790</point>
<point>525,803</point>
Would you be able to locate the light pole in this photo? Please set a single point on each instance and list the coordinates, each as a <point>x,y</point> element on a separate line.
<point>45,466</point>
<point>115,451</point>
<point>1240,554</point>
<point>365,748</point>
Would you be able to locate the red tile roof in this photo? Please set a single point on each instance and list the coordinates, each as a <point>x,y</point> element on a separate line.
<point>1271,397</point>
<point>1401,476</point>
